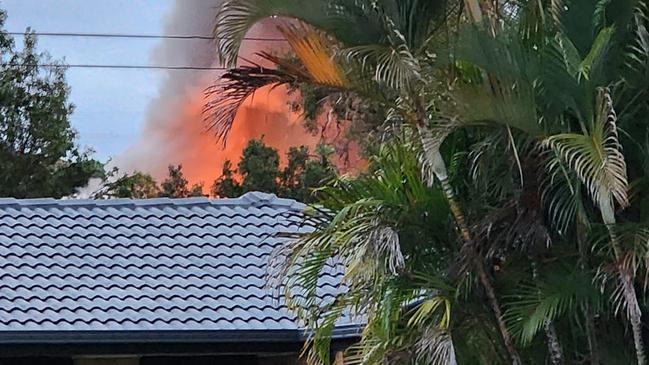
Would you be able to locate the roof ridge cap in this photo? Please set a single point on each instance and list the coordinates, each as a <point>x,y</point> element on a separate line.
<point>257,198</point>
<point>253,198</point>
<point>101,202</point>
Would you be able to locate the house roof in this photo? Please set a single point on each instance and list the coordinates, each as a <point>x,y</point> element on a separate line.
<point>155,269</point>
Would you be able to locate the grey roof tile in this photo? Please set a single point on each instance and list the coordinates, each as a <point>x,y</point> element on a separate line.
<point>158,264</point>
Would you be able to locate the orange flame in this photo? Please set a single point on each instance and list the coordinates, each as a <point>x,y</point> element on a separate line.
<point>265,115</point>
<point>175,133</point>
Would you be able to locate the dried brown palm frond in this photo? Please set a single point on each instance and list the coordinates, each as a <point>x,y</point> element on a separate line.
<point>316,67</point>
<point>435,347</point>
<point>233,89</point>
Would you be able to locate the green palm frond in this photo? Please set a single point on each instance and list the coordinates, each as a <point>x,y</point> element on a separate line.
<point>428,308</point>
<point>634,251</point>
<point>368,351</point>
<point>596,156</point>
<point>561,195</point>
<point>393,61</point>
<point>591,67</point>
<point>637,55</point>
<point>507,96</point>
<point>394,66</point>
<point>535,303</point>
<point>236,17</point>
<point>363,228</point>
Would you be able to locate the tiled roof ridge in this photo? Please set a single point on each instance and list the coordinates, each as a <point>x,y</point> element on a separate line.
<point>248,199</point>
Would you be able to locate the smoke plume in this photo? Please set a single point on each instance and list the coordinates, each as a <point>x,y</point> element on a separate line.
<point>174,132</point>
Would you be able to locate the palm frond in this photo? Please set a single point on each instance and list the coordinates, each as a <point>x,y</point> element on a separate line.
<point>535,303</point>
<point>425,309</point>
<point>393,61</point>
<point>591,66</point>
<point>561,196</point>
<point>435,347</point>
<point>596,156</point>
<point>507,96</point>
<point>430,159</point>
<point>315,54</point>
<point>236,17</point>
<point>234,88</point>
<point>637,55</point>
<point>634,257</point>
<point>394,66</point>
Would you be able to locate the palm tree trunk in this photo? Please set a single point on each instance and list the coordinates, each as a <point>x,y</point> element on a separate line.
<point>590,335</point>
<point>460,220</point>
<point>626,282</point>
<point>438,166</point>
<point>475,10</point>
<point>635,316</point>
<point>591,331</point>
<point>485,281</point>
<point>554,347</point>
<point>631,301</point>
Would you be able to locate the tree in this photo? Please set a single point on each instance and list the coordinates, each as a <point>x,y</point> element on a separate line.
<point>259,171</point>
<point>134,186</point>
<point>226,186</point>
<point>516,118</point>
<point>259,167</point>
<point>38,155</point>
<point>386,59</point>
<point>177,186</point>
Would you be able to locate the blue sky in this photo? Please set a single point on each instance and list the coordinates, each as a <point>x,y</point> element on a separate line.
<point>110,103</point>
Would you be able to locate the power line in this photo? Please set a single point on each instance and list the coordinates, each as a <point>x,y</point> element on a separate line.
<point>139,36</point>
<point>134,67</point>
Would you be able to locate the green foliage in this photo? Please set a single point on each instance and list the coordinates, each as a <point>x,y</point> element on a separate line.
<point>380,226</point>
<point>177,186</point>
<point>513,170</point>
<point>226,185</point>
<point>259,167</point>
<point>134,186</point>
<point>259,171</point>
<point>562,290</point>
<point>38,155</point>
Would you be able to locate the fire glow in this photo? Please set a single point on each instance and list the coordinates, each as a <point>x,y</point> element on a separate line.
<point>265,115</point>
<point>175,132</point>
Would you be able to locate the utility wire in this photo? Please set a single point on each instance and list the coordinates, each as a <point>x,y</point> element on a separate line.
<point>138,36</point>
<point>134,67</point>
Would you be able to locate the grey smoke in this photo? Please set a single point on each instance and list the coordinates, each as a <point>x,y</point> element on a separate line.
<point>167,137</point>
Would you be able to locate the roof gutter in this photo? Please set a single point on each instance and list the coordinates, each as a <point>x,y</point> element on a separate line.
<point>161,336</point>
<point>117,337</point>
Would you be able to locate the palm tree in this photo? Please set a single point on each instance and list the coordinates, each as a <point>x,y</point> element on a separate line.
<point>577,88</point>
<point>390,54</point>
<point>547,75</point>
